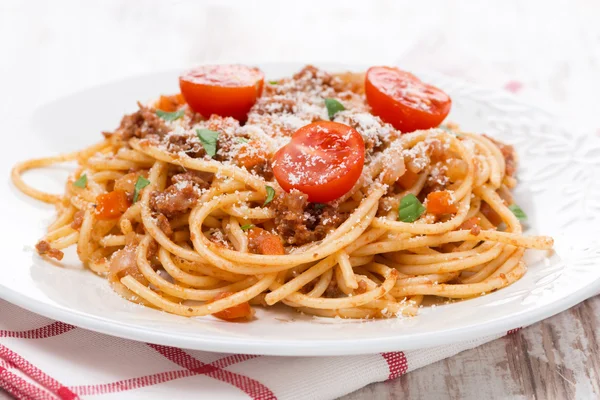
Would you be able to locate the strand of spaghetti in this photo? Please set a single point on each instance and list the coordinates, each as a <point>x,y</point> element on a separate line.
<point>499,165</point>
<point>482,171</point>
<point>345,234</point>
<point>485,270</point>
<point>66,241</point>
<point>530,242</point>
<point>57,233</point>
<point>322,284</point>
<point>298,282</point>
<point>345,302</point>
<point>185,161</point>
<point>414,259</point>
<point>506,267</point>
<point>207,269</point>
<point>64,218</point>
<point>462,290</point>
<point>115,164</point>
<point>135,156</point>
<point>451,266</point>
<point>177,291</point>
<point>343,261</point>
<point>85,236</point>
<point>340,283</point>
<point>427,279</point>
<point>495,202</point>
<point>353,313</point>
<point>196,311</point>
<point>181,276</point>
<point>238,233</point>
<point>248,213</point>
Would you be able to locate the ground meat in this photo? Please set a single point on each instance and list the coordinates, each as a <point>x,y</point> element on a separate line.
<point>191,177</point>
<point>509,153</point>
<point>362,287</point>
<point>299,222</point>
<point>164,225</point>
<point>142,123</point>
<point>176,199</point>
<point>44,249</point>
<point>77,219</point>
<point>184,143</point>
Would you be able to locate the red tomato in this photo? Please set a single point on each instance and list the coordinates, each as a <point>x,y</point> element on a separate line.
<point>238,312</point>
<point>111,205</point>
<point>403,100</point>
<point>324,160</point>
<point>225,90</point>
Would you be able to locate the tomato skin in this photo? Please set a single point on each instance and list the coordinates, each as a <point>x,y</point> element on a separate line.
<point>225,90</point>
<point>403,100</point>
<point>323,160</point>
<point>111,205</point>
<point>238,312</point>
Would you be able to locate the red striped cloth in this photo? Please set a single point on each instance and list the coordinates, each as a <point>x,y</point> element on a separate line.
<point>45,359</point>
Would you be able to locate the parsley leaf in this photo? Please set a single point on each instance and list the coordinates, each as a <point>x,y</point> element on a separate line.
<point>247,227</point>
<point>410,208</point>
<point>270,195</point>
<point>519,213</point>
<point>273,82</point>
<point>81,182</point>
<point>242,140</point>
<point>333,107</point>
<point>139,185</point>
<point>318,206</point>
<point>170,116</point>
<point>208,139</point>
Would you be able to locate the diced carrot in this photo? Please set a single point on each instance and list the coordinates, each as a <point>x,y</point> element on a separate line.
<point>112,205</point>
<point>490,214</point>
<point>263,242</point>
<point>170,103</point>
<point>239,312</point>
<point>470,223</point>
<point>408,180</point>
<point>441,202</point>
<point>250,154</point>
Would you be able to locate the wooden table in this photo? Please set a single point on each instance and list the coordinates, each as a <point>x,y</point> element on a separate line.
<point>548,51</point>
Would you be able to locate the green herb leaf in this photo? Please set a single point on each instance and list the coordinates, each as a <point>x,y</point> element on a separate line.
<point>170,116</point>
<point>246,227</point>
<point>318,206</point>
<point>270,195</point>
<point>273,82</point>
<point>242,140</point>
<point>81,182</point>
<point>208,139</point>
<point>333,107</point>
<point>410,208</point>
<point>519,213</point>
<point>139,185</point>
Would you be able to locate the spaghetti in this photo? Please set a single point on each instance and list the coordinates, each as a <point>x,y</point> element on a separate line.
<point>184,214</point>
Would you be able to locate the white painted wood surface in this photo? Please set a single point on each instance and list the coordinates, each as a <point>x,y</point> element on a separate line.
<point>548,51</point>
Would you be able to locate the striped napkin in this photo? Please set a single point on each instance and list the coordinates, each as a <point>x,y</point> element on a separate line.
<point>45,359</point>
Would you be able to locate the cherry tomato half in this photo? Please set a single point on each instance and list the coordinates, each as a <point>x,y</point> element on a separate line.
<point>324,160</point>
<point>403,100</point>
<point>225,90</point>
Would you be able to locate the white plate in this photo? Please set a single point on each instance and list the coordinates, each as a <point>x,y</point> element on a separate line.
<point>558,189</point>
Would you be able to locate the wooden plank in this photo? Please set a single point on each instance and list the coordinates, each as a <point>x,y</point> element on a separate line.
<point>558,358</point>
